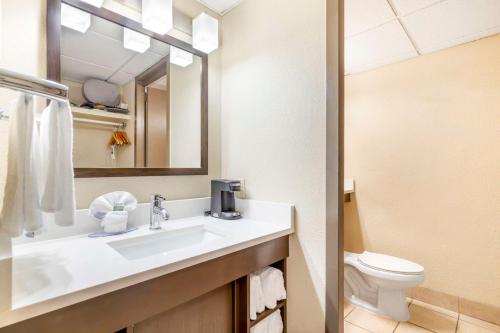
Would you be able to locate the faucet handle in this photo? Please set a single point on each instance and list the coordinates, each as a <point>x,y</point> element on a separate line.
<point>157,197</point>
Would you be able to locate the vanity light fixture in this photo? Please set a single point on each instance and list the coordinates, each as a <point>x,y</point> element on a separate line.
<point>135,41</point>
<point>95,3</point>
<point>74,18</point>
<point>157,15</point>
<point>205,33</point>
<point>180,57</point>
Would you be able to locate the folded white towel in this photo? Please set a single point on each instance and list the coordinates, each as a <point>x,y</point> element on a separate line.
<point>21,204</point>
<point>115,221</point>
<point>58,190</point>
<point>260,327</point>
<point>256,297</point>
<point>273,286</point>
<point>275,324</point>
<point>272,324</point>
<point>107,203</point>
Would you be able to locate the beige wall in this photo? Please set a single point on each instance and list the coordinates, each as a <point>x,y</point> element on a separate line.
<point>422,141</point>
<point>273,114</point>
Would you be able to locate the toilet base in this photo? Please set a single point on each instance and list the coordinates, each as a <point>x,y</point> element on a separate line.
<point>391,303</point>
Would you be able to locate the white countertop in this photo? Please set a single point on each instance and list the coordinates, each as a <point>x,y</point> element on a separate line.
<point>51,274</point>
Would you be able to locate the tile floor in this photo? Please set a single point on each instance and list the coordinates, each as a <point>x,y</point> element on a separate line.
<point>424,318</point>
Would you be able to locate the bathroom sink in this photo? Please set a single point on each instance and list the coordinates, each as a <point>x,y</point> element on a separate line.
<point>163,242</point>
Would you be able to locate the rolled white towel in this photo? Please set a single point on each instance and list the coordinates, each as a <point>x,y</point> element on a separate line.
<point>275,324</point>
<point>273,286</point>
<point>107,203</point>
<point>256,297</point>
<point>115,221</point>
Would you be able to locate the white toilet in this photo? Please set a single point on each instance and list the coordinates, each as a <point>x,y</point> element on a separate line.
<point>377,282</point>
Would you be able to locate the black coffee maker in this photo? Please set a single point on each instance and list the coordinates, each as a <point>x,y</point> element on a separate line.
<point>222,204</point>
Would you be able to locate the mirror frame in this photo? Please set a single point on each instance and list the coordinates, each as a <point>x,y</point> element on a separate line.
<point>54,74</point>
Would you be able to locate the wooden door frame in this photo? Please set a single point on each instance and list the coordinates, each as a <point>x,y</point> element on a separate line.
<point>150,75</point>
<point>334,289</point>
<point>54,74</point>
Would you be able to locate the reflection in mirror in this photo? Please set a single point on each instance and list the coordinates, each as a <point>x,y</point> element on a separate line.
<point>134,107</point>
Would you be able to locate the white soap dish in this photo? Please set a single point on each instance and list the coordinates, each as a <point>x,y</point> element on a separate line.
<point>106,234</point>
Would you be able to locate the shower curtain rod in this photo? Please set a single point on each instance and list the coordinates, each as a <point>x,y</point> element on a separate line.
<point>33,85</point>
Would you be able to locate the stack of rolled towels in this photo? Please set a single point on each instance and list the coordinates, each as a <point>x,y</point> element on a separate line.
<point>267,288</point>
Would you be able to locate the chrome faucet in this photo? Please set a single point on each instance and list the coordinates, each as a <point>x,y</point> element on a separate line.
<point>157,212</point>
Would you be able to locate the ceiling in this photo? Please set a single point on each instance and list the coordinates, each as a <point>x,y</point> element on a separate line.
<point>381,32</point>
<point>99,54</point>
<point>220,6</point>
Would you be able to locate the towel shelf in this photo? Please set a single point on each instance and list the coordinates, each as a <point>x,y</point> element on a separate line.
<point>263,315</point>
<point>241,300</point>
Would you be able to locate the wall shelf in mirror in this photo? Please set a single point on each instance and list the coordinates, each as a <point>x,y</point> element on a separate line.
<point>99,114</point>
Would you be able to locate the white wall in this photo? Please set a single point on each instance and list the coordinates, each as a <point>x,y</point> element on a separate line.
<point>273,120</point>
<point>185,115</point>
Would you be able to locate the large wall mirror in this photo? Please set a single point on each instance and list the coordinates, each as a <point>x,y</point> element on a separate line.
<point>139,100</point>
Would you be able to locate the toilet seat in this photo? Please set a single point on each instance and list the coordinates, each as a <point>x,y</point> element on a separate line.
<point>386,263</point>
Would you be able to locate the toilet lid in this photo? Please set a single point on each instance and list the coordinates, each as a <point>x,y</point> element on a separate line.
<point>389,263</point>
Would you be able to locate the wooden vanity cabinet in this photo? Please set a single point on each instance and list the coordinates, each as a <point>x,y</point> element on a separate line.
<point>210,297</point>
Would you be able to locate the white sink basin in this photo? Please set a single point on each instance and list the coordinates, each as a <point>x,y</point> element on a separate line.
<point>163,242</point>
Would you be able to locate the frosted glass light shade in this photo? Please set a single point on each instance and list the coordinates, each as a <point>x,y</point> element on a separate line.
<point>180,57</point>
<point>157,15</point>
<point>135,41</point>
<point>95,3</point>
<point>74,18</point>
<point>205,33</point>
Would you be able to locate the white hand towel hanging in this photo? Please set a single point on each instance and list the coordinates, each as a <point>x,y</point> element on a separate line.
<point>58,189</point>
<point>21,204</point>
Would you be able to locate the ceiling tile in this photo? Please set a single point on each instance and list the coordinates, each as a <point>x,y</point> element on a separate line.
<point>404,7</point>
<point>94,48</point>
<point>106,28</point>
<point>362,15</point>
<point>141,62</point>
<point>220,6</point>
<point>76,70</point>
<point>453,22</point>
<point>159,47</point>
<point>120,78</point>
<point>383,45</point>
